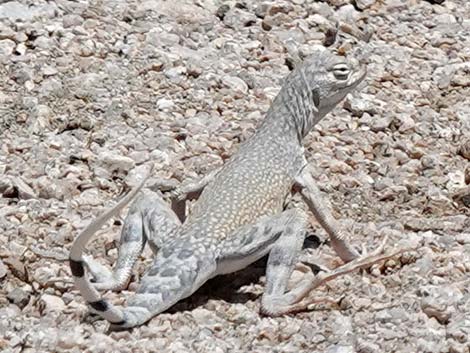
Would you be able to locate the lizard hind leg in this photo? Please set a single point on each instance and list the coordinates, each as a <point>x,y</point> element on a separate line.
<point>175,274</point>
<point>149,219</point>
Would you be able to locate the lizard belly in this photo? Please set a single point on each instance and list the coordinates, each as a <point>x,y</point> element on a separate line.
<point>234,264</point>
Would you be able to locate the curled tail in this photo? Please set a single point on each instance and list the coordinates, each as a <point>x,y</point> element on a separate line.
<point>178,270</point>
<point>77,264</point>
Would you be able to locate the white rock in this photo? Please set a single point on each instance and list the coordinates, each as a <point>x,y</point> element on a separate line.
<point>71,20</point>
<point>175,72</point>
<point>49,303</point>
<point>358,106</point>
<point>3,270</point>
<point>165,104</point>
<point>235,83</point>
<point>113,161</point>
<point>364,4</point>
<point>13,10</point>
<point>6,47</point>
<point>49,71</point>
<point>6,32</point>
<point>347,13</point>
<point>406,123</point>
<point>21,49</point>
<point>157,38</point>
<point>445,18</point>
<point>340,349</point>
<point>318,20</point>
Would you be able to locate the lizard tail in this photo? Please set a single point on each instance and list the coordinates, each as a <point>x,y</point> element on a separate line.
<point>77,264</point>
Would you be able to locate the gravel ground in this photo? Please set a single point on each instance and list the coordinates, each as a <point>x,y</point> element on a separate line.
<point>94,91</point>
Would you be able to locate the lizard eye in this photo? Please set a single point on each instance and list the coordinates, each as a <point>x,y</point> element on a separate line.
<point>341,71</point>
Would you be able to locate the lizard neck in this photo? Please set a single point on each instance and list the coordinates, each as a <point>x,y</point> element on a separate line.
<point>292,115</point>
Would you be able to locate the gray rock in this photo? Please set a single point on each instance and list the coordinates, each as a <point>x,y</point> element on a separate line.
<point>72,20</point>
<point>222,10</point>
<point>49,71</point>
<point>405,123</point>
<point>16,187</point>
<point>17,267</point>
<point>23,75</point>
<point>51,87</point>
<point>87,85</point>
<point>238,19</point>
<point>139,157</point>
<point>367,347</point>
<point>459,328</point>
<point>262,8</point>
<point>322,8</point>
<point>440,302</point>
<point>19,297</point>
<point>444,75</point>
<point>380,123</point>
<point>359,106</point>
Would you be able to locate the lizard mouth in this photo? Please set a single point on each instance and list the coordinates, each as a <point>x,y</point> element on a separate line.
<point>358,76</point>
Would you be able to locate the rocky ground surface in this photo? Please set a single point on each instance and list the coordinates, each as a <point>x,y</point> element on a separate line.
<point>92,92</point>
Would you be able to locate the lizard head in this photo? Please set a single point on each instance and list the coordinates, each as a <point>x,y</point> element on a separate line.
<point>330,78</point>
<point>317,85</point>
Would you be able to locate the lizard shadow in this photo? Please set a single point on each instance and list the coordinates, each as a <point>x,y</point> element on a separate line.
<point>225,287</point>
<point>228,288</point>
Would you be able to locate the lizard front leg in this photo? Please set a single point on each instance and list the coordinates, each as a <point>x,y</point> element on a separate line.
<point>321,209</point>
<point>189,191</point>
<point>282,236</point>
<point>282,259</point>
<point>276,301</point>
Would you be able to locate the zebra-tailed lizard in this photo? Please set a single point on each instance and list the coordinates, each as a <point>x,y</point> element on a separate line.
<point>239,216</point>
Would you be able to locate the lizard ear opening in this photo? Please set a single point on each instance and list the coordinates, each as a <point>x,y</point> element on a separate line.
<point>316,98</point>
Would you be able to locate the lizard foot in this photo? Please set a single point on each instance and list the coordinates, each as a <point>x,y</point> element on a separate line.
<point>102,277</point>
<point>298,299</point>
<point>364,261</point>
